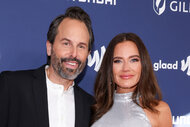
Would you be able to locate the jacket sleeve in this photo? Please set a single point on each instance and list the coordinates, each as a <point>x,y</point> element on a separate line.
<point>3,101</point>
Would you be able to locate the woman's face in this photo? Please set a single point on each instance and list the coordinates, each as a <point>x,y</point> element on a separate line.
<point>126,66</point>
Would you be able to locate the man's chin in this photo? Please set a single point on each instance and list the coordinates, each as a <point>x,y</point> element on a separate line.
<point>69,75</point>
<point>71,71</point>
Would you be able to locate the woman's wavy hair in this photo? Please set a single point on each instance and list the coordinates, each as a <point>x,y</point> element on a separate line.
<point>147,88</point>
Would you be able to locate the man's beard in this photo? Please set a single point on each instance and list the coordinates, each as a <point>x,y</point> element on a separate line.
<point>62,71</point>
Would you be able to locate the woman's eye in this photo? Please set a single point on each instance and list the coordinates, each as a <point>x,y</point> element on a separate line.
<point>134,60</point>
<point>117,61</point>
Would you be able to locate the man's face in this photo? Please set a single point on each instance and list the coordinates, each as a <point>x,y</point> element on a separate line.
<point>70,48</point>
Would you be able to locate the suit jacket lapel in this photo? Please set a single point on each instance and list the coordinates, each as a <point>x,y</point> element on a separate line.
<point>40,97</point>
<point>78,107</point>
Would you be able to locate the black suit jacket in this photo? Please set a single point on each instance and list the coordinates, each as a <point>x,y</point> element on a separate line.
<point>23,100</point>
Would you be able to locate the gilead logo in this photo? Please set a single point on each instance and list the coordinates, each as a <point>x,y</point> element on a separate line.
<point>185,65</point>
<point>182,6</point>
<point>159,6</point>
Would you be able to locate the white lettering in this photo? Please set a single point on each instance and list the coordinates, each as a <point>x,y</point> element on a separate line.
<point>186,11</point>
<point>161,65</point>
<point>188,120</point>
<point>181,120</point>
<point>164,66</point>
<point>160,62</point>
<point>156,66</point>
<point>175,66</point>
<point>171,5</point>
<point>99,1</point>
<point>96,59</point>
<point>82,0</point>
<point>175,121</point>
<point>186,65</point>
<point>179,6</point>
<point>170,66</point>
<point>111,2</point>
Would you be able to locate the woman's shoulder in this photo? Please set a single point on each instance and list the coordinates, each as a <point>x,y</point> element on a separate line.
<point>164,109</point>
<point>162,106</point>
<point>162,118</point>
<point>164,114</point>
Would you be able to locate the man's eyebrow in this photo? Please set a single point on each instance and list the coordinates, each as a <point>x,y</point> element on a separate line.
<point>83,43</point>
<point>65,39</point>
<point>80,43</point>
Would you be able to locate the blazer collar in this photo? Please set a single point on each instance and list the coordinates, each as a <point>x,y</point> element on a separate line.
<point>80,107</point>
<point>40,96</point>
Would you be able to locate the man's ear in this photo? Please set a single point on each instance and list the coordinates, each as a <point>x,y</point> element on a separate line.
<point>48,48</point>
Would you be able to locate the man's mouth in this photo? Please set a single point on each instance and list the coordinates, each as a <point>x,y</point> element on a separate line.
<point>71,63</point>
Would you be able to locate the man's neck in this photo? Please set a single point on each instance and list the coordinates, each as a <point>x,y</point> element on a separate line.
<point>55,78</point>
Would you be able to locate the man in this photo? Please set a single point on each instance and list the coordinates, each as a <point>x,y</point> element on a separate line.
<point>48,96</point>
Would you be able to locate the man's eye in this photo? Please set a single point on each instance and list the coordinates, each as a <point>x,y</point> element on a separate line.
<point>66,43</point>
<point>82,46</point>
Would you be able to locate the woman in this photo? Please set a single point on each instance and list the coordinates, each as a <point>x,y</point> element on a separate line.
<point>126,90</point>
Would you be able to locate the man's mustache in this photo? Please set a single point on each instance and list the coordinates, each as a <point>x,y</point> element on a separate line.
<point>70,59</point>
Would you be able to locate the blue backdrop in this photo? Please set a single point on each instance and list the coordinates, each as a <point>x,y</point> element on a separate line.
<point>163,25</point>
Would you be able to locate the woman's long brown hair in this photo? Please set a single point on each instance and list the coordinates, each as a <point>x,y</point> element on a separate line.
<point>147,87</point>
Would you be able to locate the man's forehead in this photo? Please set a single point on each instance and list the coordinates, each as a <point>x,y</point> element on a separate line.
<point>73,29</point>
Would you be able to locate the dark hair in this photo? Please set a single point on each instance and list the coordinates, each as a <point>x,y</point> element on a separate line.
<point>73,13</point>
<point>147,87</point>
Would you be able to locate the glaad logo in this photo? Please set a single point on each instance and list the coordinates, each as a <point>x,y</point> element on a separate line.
<point>161,65</point>
<point>159,6</point>
<point>173,66</point>
<point>96,58</point>
<point>111,2</point>
<point>186,65</point>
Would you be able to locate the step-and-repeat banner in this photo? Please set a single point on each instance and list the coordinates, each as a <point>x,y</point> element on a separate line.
<point>163,25</point>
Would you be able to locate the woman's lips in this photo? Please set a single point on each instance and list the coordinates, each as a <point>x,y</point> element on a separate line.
<point>126,76</point>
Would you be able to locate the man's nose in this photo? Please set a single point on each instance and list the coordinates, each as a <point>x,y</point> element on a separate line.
<point>74,52</point>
